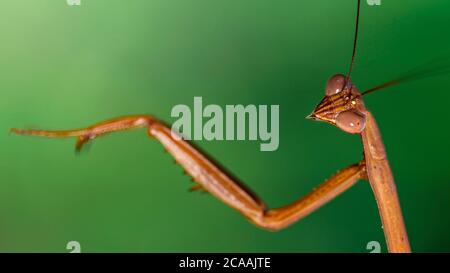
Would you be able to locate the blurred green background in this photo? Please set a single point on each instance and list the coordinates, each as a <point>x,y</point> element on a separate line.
<point>66,67</point>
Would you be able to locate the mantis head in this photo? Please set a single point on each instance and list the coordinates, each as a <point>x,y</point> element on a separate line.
<point>342,106</point>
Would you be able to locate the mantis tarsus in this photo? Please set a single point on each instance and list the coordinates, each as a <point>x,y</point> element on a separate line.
<point>342,107</point>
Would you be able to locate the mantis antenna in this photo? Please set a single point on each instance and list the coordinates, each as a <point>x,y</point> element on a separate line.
<point>355,41</point>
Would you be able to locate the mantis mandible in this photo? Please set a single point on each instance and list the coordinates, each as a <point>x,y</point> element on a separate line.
<point>342,107</point>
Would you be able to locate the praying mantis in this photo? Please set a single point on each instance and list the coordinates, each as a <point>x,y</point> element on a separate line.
<point>342,106</point>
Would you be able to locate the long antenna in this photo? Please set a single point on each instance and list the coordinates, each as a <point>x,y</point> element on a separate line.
<point>354,43</point>
<point>428,70</point>
<point>383,85</point>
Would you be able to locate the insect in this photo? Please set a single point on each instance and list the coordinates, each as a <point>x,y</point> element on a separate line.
<point>342,106</point>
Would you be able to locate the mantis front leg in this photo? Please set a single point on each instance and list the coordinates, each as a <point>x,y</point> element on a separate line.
<point>212,178</point>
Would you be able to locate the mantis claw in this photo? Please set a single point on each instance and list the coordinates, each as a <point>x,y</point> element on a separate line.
<point>81,140</point>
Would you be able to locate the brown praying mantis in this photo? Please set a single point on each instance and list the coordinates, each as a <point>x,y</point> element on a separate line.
<point>342,107</point>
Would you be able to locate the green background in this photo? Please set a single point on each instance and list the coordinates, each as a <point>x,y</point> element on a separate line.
<point>68,67</point>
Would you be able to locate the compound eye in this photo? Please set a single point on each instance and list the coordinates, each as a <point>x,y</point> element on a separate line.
<point>335,84</point>
<point>351,121</point>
